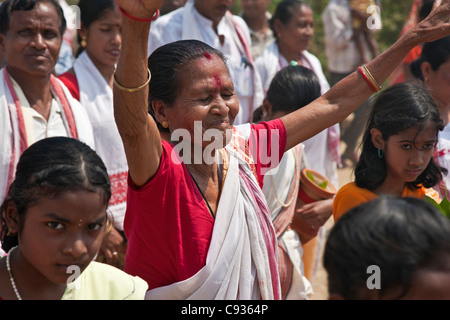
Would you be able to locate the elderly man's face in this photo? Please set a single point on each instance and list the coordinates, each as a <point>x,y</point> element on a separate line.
<point>31,45</point>
<point>213,9</point>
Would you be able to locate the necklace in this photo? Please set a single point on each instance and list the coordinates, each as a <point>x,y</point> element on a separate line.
<point>11,278</point>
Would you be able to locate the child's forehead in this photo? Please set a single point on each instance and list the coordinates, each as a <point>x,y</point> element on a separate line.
<point>427,130</point>
<point>70,202</point>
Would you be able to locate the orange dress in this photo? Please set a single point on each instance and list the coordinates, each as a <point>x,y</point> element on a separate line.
<point>350,196</point>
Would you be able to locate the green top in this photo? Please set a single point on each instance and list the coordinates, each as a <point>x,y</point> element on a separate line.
<point>100,281</point>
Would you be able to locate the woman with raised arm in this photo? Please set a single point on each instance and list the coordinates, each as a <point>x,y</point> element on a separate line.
<point>199,227</point>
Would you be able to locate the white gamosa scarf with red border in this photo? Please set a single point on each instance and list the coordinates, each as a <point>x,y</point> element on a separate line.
<point>96,97</point>
<point>13,128</point>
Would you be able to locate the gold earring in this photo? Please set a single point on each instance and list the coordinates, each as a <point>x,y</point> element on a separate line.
<point>165,124</point>
<point>83,43</point>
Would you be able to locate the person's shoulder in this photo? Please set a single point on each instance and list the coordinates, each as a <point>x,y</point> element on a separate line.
<point>69,79</point>
<point>174,17</point>
<point>113,284</point>
<point>268,55</point>
<point>311,56</point>
<point>167,28</point>
<point>82,121</point>
<point>348,197</point>
<point>352,188</point>
<point>351,195</point>
<point>241,22</point>
<point>241,25</point>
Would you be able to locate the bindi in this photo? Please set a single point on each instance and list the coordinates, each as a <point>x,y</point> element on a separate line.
<point>217,81</point>
<point>207,55</point>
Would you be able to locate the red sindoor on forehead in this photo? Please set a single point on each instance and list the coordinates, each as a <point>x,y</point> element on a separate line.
<point>207,55</point>
<point>217,81</point>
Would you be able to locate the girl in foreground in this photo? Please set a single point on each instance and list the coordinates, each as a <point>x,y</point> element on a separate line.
<point>53,223</point>
<point>397,151</point>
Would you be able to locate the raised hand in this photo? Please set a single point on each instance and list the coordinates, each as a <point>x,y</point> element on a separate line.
<point>142,9</point>
<point>436,25</point>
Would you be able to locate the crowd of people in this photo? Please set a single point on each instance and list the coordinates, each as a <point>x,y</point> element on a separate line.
<point>165,150</point>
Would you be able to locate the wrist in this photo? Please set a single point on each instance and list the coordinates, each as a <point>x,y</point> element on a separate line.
<point>412,38</point>
<point>131,17</point>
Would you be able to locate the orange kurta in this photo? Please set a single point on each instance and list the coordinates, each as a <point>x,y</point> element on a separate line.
<point>350,196</point>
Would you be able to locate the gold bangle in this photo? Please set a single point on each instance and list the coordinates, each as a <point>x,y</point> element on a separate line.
<point>371,78</point>
<point>119,86</point>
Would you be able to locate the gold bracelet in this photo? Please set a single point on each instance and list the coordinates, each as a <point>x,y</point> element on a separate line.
<point>119,86</point>
<point>371,78</point>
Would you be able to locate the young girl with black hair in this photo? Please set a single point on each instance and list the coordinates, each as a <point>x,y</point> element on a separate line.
<point>397,149</point>
<point>53,223</point>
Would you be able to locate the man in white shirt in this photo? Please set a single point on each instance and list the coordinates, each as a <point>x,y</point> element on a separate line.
<point>210,21</point>
<point>33,103</point>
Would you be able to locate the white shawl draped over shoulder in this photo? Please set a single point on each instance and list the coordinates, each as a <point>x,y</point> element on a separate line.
<point>13,129</point>
<point>241,261</point>
<point>96,97</point>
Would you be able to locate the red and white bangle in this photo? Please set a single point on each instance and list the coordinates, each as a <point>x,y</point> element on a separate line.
<point>369,78</point>
<point>129,16</point>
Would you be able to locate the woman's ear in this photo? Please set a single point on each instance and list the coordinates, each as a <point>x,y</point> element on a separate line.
<point>159,110</point>
<point>11,217</point>
<point>266,110</point>
<point>2,44</point>
<point>426,70</point>
<point>377,138</point>
<point>278,28</point>
<point>83,32</point>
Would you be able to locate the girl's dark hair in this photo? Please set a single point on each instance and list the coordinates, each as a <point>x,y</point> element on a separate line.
<point>165,63</point>
<point>91,11</point>
<point>10,6</point>
<point>48,168</point>
<point>284,12</point>
<point>435,53</point>
<point>293,87</point>
<point>396,109</point>
<point>401,236</point>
